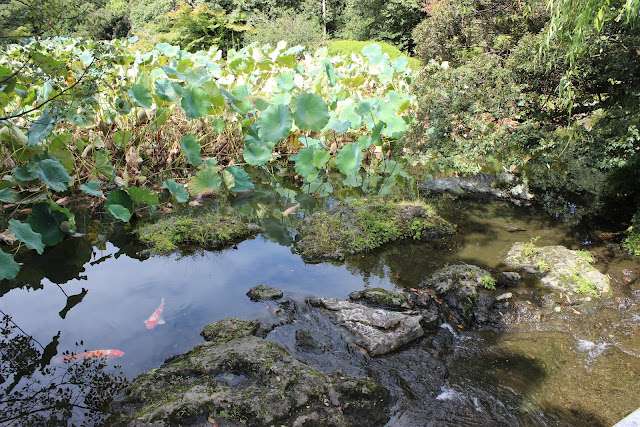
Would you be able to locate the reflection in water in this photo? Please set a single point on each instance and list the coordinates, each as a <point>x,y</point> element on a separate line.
<point>36,390</point>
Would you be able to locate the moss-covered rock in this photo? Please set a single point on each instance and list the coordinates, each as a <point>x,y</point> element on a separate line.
<point>210,230</point>
<point>252,382</point>
<point>229,329</point>
<point>264,293</point>
<point>349,229</point>
<point>391,299</point>
<point>560,268</point>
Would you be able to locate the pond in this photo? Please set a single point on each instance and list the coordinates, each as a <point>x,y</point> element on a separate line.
<point>79,297</point>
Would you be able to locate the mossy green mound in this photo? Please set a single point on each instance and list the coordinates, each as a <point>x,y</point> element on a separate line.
<point>347,47</point>
<point>349,229</point>
<point>210,230</point>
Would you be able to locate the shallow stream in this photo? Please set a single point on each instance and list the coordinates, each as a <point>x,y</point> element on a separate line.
<point>574,371</point>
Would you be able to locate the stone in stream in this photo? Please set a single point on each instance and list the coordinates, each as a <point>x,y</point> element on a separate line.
<point>390,299</point>
<point>375,330</point>
<point>503,186</point>
<point>456,295</point>
<point>264,293</point>
<point>248,381</point>
<point>560,268</point>
<point>348,229</point>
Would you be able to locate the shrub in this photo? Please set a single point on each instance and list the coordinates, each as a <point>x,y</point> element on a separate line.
<point>287,25</point>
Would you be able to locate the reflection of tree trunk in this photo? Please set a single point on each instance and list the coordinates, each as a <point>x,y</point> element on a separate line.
<point>324,19</point>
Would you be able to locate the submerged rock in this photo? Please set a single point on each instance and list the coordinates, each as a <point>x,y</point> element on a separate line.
<point>503,186</point>
<point>375,330</point>
<point>264,293</point>
<point>252,382</point>
<point>229,329</point>
<point>348,229</point>
<point>560,268</point>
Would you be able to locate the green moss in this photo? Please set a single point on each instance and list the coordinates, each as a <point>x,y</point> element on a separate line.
<point>488,282</point>
<point>585,287</point>
<point>363,226</point>
<point>586,255</point>
<point>347,47</point>
<point>166,234</point>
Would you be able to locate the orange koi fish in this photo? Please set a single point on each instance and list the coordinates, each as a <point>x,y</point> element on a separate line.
<point>109,354</point>
<point>155,319</point>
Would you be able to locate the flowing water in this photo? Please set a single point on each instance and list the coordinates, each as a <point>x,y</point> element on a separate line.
<point>80,296</point>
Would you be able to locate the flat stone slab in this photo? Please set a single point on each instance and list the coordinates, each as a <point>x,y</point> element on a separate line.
<point>376,330</point>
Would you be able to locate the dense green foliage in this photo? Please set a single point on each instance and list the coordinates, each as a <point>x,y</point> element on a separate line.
<point>499,93</point>
<point>105,116</point>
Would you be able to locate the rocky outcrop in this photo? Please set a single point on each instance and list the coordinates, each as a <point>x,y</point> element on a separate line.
<point>248,381</point>
<point>348,229</point>
<point>375,330</point>
<point>503,186</point>
<point>560,268</point>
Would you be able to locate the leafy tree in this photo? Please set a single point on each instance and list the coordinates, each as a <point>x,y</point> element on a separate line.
<point>43,17</point>
<point>383,20</point>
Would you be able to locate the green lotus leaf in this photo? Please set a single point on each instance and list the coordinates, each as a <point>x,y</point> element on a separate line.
<point>375,134</point>
<point>191,149</point>
<point>102,165</point>
<point>141,95</point>
<point>142,196</point>
<point>310,111</point>
<point>241,179</point>
<point>331,74</point>
<point>195,102</point>
<point>177,190</point>
<point>256,154</point>
<point>167,50</point>
<point>323,189</point>
<point>320,158</point>
<point>348,114</point>
<point>26,235</point>
<point>205,181</point>
<point>53,174</point>
<point>119,197</point>
<point>9,268</point>
<point>40,129</point>
<point>92,188</point>
<point>351,181</point>
<point>285,82</point>
<point>349,159</point>
<point>46,219</point>
<point>304,162</point>
<point>340,126</point>
<point>7,195</point>
<point>364,107</point>
<point>120,212</point>
<point>400,64</point>
<point>121,138</point>
<point>165,90</point>
<point>274,123</point>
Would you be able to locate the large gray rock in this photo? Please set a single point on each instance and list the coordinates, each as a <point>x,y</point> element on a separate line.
<point>457,295</point>
<point>503,186</point>
<point>249,381</point>
<point>390,299</point>
<point>560,268</point>
<point>376,330</point>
